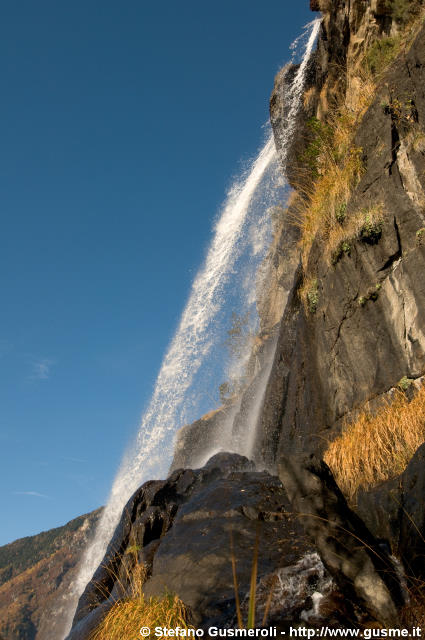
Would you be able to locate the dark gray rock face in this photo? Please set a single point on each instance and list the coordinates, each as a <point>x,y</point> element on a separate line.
<point>396,511</point>
<point>362,569</point>
<point>233,426</point>
<point>195,440</point>
<point>333,361</point>
<point>183,526</point>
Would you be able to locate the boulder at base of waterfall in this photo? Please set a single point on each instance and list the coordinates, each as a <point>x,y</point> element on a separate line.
<point>183,529</point>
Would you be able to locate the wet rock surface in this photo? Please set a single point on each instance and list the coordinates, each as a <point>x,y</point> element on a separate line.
<point>360,566</point>
<point>195,439</point>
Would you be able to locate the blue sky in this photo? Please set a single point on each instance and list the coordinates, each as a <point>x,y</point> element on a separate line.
<point>122,125</point>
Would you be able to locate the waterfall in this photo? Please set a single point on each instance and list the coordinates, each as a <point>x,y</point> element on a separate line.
<point>246,444</point>
<point>196,362</point>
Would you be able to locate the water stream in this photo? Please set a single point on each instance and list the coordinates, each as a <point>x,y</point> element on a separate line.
<point>196,361</point>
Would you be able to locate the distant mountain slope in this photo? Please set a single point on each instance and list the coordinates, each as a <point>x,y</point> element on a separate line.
<point>35,574</point>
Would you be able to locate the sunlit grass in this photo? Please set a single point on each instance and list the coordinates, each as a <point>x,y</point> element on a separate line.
<point>128,615</point>
<point>363,224</point>
<point>378,447</point>
<point>338,169</point>
<point>126,618</point>
<point>334,163</point>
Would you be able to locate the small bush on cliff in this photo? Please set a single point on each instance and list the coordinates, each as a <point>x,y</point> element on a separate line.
<point>405,383</point>
<point>309,294</point>
<point>403,11</point>
<point>382,53</point>
<point>344,248</point>
<point>420,235</point>
<point>364,225</point>
<point>371,294</point>
<point>376,447</point>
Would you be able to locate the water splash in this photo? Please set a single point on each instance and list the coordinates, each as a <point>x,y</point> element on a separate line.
<point>294,593</point>
<point>195,360</point>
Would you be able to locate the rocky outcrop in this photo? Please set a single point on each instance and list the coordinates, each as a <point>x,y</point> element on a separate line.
<point>196,442</point>
<point>182,529</point>
<point>186,530</point>
<point>395,511</point>
<point>361,567</point>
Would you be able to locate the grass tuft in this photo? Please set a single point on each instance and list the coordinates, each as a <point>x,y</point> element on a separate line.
<point>332,163</point>
<point>413,613</point>
<point>364,225</point>
<point>126,618</point>
<point>336,166</point>
<point>378,447</point>
<point>128,615</point>
<point>309,294</point>
<point>382,53</point>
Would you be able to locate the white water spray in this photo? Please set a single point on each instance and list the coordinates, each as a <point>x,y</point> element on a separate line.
<point>243,229</point>
<point>244,444</point>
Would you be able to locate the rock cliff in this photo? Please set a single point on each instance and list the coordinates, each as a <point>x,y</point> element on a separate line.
<point>355,347</point>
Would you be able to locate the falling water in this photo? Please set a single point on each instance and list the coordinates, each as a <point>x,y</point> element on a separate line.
<point>195,362</point>
<point>227,436</point>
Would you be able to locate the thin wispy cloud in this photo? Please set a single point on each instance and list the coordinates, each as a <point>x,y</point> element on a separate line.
<point>35,494</point>
<point>41,369</point>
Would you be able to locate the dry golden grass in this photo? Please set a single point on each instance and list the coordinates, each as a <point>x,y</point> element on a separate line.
<point>127,617</point>
<point>309,294</point>
<point>377,447</point>
<point>339,164</point>
<point>339,167</point>
<point>358,224</point>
